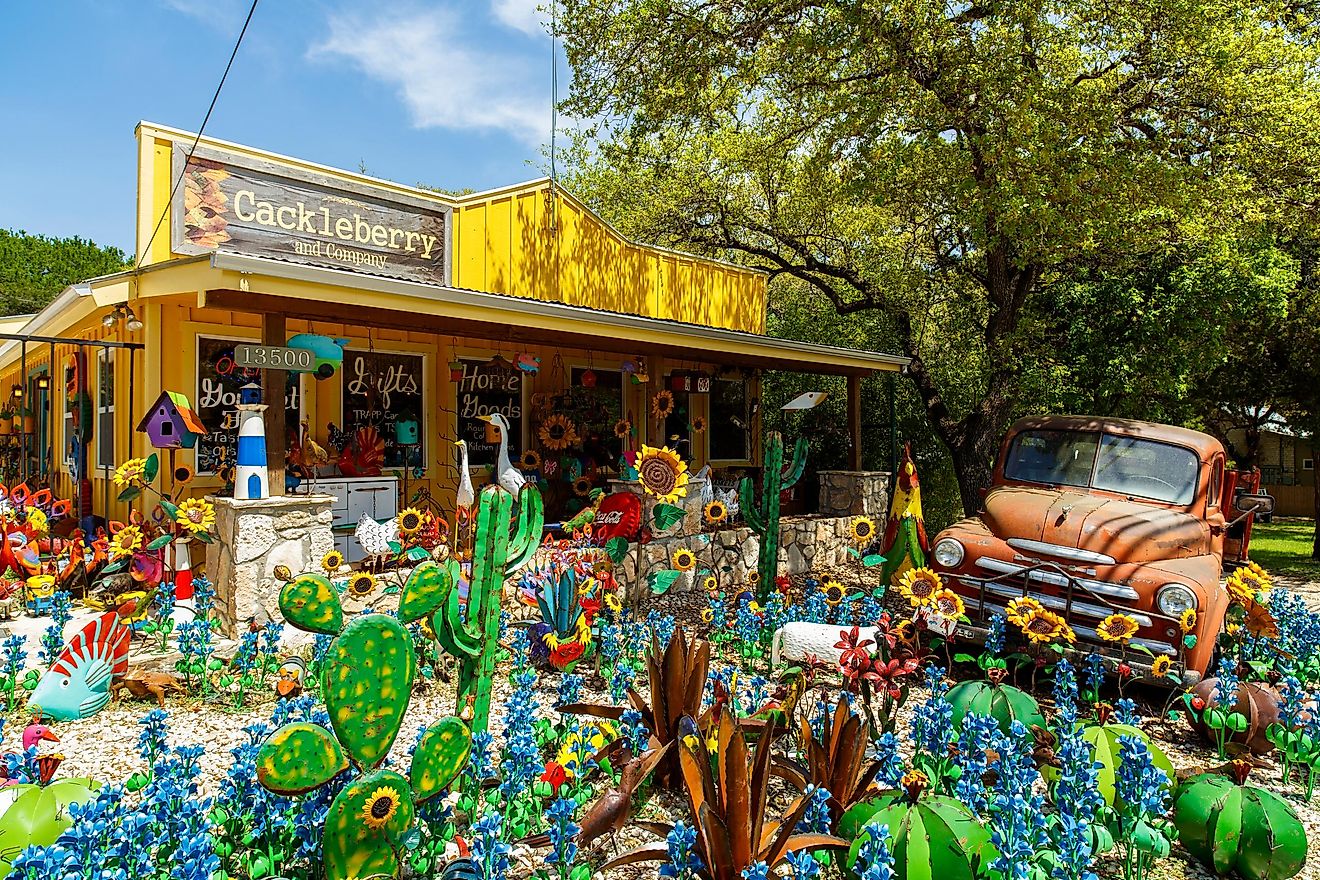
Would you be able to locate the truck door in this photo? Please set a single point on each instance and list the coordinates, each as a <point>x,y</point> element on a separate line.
<point>1214,506</point>
<point>1238,537</point>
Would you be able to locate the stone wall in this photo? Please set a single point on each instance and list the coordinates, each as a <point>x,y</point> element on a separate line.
<point>854,493</point>
<point>253,537</point>
<point>806,544</point>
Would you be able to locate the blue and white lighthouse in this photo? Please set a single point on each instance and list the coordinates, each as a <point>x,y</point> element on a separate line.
<point>251,481</point>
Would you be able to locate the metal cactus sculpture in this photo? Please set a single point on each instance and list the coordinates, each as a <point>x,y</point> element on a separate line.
<point>1231,826</point>
<point>763,518</point>
<point>472,634</point>
<point>367,679</point>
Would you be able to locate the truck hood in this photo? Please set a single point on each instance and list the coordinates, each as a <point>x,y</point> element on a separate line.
<point>1126,530</point>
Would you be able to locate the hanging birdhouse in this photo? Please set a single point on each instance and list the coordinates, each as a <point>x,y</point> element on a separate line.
<point>455,371</point>
<point>171,423</point>
<point>405,432</point>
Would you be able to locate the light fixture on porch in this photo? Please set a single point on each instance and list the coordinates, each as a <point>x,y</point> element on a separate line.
<point>123,313</point>
<point>43,382</point>
<point>16,392</point>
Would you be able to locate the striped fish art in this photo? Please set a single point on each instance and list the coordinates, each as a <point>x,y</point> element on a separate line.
<point>78,685</point>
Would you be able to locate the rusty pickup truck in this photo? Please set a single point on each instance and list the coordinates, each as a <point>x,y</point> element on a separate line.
<point>1094,515</point>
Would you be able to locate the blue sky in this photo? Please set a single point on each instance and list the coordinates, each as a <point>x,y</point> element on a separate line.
<point>452,93</point>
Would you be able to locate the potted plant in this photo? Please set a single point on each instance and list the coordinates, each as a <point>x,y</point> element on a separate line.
<point>29,420</point>
<point>6,419</point>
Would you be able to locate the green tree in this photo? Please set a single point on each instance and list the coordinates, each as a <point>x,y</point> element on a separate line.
<point>35,268</point>
<point>944,164</point>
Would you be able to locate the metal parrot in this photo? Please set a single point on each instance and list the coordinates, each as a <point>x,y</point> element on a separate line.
<point>906,545</point>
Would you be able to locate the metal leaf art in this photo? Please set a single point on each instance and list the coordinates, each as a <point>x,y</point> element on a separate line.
<point>933,836</point>
<point>367,681</point>
<point>1103,740</point>
<point>1003,702</point>
<point>1231,826</point>
<point>677,676</point>
<point>472,634</point>
<point>763,518</point>
<point>835,761</point>
<point>728,793</point>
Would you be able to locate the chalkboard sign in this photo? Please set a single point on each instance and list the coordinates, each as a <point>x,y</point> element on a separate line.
<point>218,381</point>
<point>484,389</point>
<point>380,388</point>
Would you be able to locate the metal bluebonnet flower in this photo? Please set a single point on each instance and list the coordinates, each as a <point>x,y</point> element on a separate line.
<point>661,625</point>
<point>562,829</point>
<point>804,865</point>
<point>620,681</point>
<point>488,847</point>
<point>816,818</point>
<point>684,863</point>
<point>1078,802</point>
<point>570,688</point>
<point>994,635</point>
<point>1017,816</point>
<point>932,723</point>
<point>1125,712</point>
<point>756,871</point>
<point>1093,673</point>
<point>1139,785</point>
<point>1226,688</point>
<point>975,741</point>
<point>875,860</point>
<point>885,751</point>
<point>1065,692</point>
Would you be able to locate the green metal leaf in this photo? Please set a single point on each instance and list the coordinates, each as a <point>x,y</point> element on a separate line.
<point>666,515</point>
<point>417,554</point>
<point>873,559</point>
<point>423,592</point>
<point>440,757</point>
<point>369,672</point>
<point>129,493</point>
<point>151,468</point>
<point>298,758</point>
<point>616,549</point>
<point>311,603</point>
<point>162,541</point>
<point>364,824</point>
<point>662,580</point>
<point>171,509</point>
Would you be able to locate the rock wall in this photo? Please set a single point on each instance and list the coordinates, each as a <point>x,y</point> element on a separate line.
<point>806,544</point>
<point>854,493</point>
<point>253,538</point>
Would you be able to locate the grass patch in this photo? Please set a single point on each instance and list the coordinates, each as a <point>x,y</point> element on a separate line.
<point>1284,547</point>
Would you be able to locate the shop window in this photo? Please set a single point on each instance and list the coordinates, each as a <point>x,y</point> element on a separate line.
<point>105,409</point>
<point>730,420</point>
<point>595,406</point>
<point>1308,464</point>
<point>678,424</point>
<point>69,439</point>
<point>486,387</point>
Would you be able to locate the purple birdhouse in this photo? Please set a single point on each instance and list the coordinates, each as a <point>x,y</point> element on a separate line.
<point>171,423</point>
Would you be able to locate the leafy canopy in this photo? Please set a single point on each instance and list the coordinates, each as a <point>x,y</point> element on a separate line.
<point>35,268</point>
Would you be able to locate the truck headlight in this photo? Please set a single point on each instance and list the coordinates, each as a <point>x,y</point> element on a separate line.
<point>948,553</point>
<point>1174,599</point>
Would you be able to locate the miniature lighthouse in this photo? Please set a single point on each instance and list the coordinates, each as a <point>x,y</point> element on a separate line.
<point>250,476</point>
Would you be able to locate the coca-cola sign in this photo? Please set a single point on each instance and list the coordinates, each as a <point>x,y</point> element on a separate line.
<point>619,516</point>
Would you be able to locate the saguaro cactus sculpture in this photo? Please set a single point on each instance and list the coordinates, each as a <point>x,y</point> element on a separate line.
<point>763,518</point>
<point>367,681</point>
<point>473,636</point>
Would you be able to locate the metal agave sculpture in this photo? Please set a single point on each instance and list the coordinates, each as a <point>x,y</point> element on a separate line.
<point>1231,826</point>
<point>763,517</point>
<point>472,634</point>
<point>728,792</point>
<point>677,675</point>
<point>367,681</point>
<point>835,762</point>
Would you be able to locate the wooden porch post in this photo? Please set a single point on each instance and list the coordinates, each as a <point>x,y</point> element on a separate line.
<point>273,384</point>
<point>855,422</point>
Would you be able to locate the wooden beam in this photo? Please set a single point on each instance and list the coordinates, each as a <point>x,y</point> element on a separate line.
<point>855,423</point>
<point>273,383</point>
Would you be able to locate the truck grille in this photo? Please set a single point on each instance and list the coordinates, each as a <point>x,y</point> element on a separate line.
<point>1062,551</point>
<point>1103,588</point>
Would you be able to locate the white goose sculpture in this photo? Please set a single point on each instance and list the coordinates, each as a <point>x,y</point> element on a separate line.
<point>466,497</point>
<point>509,477</point>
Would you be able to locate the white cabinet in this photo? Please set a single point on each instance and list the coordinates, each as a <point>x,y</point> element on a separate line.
<point>377,497</point>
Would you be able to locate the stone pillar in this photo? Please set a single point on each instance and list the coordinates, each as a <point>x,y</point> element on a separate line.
<point>253,537</point>
<point>854,493</point>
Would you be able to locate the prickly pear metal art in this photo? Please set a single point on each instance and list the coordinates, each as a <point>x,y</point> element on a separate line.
<point>1003,702</point>
<point>1103,740</point>
<point>1231,826</point>
<point>367,678</point>
<point>472,634</point>
<point>763,517</point>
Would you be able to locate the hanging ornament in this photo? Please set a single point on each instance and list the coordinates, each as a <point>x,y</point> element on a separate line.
<point>455,371</point>
<point>589,379</point>
<point>529,363</point>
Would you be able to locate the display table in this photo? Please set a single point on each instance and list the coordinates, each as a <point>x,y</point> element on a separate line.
<point>377,497</point>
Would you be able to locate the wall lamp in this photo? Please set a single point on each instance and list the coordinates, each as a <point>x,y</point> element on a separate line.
<point>126,314</point>
<point>43,382</point>
<point>17,392</point>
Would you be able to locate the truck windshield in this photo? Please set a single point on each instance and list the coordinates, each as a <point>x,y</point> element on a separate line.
<point>1124,465</point>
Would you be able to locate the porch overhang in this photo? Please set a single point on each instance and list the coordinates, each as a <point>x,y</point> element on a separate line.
<point>267,286</point>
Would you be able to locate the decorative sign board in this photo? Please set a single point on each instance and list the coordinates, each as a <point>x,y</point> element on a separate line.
<point>487,388</point>
<point>219,378</point>
<point>265,208</point>
<point>274,357</point>
<point>379,389</point>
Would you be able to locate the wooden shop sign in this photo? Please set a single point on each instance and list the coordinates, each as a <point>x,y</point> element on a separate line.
<point>244,205</point>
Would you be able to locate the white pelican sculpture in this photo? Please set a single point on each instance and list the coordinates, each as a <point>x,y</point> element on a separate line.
<point>509,477</point>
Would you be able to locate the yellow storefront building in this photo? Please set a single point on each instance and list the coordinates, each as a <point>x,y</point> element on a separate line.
<point>518,301</point>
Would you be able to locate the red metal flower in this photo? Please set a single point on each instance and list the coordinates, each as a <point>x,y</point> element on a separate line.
<point>783,584</point>
<point>1124,670</point>
<point>855,657</point>
<point>46,767</point>
<point>554,774</point>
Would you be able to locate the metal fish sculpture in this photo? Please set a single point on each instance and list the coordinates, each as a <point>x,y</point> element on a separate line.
<point>78,685</point>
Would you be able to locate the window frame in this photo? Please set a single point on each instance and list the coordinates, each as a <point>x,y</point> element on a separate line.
<point>105,357</point>
<point>749,446</point>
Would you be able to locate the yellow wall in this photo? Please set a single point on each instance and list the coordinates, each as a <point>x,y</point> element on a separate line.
<point>517,241</point>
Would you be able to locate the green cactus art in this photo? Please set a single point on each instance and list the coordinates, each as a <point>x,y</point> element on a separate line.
<point>1103,740</point>
<point>472,634</point>
<point>367,678</point>
<point>763,518</point>
<point>1003,702</point>
<point>1231,826</point>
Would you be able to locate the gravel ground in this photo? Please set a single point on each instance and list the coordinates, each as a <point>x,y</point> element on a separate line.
<point>104,747</point>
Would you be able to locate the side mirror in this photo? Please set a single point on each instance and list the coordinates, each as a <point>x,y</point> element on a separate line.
<point>1257,503</point>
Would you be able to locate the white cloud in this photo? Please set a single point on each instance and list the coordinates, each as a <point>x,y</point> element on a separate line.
<point>522,15</point>
<point>222,15</point>
<point>443,76</point>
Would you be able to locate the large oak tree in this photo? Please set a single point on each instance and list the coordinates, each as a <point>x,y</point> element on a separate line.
<point>944,164</point>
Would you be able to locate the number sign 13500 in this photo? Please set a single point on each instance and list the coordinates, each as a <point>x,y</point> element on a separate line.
<point>273,357</point>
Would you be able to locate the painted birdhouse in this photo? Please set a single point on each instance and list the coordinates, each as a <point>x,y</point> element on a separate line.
<point>171,423</point>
